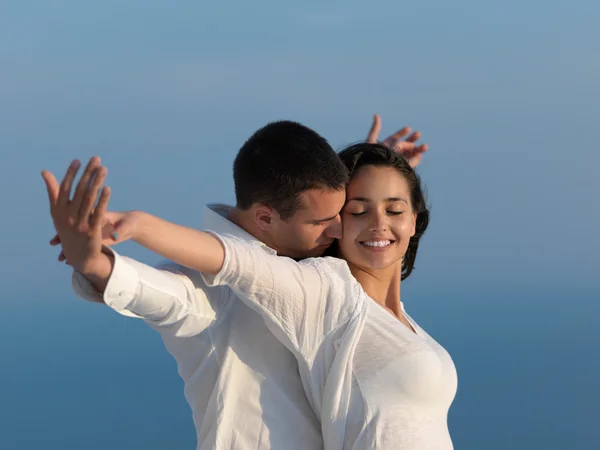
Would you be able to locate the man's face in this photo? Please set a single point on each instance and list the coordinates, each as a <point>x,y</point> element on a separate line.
<point>313,227</point>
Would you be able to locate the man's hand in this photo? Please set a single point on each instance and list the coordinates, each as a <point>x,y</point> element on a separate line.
<point>408,148</point>
<point>78,221</point>
<point>117,227</point>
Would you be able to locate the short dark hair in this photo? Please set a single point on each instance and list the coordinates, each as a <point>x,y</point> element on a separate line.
<point>282,160</point>
<point>365,154</point>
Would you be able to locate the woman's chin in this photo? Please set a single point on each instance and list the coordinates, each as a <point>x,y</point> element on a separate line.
<point>378,262</point>
<point>368,259</point>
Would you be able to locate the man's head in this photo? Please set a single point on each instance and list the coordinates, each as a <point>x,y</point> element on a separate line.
<point>290,184</point>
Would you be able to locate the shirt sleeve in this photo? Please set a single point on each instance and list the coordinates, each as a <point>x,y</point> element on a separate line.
<point>302,303</point>
<point>167,297</point>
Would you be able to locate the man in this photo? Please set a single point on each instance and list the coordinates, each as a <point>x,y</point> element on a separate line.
<point>242,384</point>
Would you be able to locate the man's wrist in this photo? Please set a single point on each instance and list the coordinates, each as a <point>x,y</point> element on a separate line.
<point>99,270</point>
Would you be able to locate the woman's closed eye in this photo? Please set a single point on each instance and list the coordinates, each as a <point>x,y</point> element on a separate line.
<point>362,213</point>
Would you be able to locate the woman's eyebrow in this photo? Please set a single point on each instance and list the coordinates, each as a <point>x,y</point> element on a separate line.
<point>389,199</point>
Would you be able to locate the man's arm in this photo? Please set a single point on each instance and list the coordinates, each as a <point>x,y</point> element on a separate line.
<point>170,297</point>
<point>78,221</point>
<point>99,275</point>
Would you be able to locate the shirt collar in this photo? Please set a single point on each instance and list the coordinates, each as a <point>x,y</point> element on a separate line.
<point>214,218</point>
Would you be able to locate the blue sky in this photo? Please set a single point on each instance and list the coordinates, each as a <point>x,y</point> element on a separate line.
<point>507,95</point>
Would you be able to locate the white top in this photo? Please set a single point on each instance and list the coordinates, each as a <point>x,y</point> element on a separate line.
<point>241,383</point>
<point>374,383</point>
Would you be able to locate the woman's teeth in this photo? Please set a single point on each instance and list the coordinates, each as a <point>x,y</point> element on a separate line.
<point>377,243</point>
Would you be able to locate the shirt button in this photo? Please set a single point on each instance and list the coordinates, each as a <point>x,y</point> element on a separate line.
<point>127,296</point>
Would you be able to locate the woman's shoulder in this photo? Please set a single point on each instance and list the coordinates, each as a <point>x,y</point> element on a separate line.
<point>330,265</point>
<point>344,297</point>
<point>336,274</point>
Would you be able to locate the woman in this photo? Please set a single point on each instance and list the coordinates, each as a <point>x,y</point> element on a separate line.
<point>372,375</point>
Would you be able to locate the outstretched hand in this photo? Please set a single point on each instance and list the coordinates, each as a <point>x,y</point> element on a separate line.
<point>79,220</point>
<point>117,227</point>
<point>402,141</point>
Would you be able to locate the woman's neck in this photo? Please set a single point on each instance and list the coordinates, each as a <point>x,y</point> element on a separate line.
<point>382,285</point>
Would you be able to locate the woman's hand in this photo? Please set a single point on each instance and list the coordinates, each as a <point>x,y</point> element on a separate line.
<point>116,228</point>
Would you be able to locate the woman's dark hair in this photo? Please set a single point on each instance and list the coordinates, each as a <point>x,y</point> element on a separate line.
<point>365,154</point>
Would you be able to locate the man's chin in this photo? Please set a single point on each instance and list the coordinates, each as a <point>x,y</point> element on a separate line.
<point>318,251</point>
<point>314,253</point>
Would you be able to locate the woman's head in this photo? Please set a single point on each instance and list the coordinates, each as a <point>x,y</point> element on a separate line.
<point>385,213</point>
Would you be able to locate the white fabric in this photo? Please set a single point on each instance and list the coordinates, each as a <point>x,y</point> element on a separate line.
<point>372,382</point>
<point>241,383</point>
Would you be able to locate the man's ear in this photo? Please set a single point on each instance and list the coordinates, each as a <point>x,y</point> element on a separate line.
<point>263,217</point>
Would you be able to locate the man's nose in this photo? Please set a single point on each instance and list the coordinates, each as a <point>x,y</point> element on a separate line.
<point>334,230</point>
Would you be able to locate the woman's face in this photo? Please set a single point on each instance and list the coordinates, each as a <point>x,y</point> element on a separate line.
<point>377,219</point>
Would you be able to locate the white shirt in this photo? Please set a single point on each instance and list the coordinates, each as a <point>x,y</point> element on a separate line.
<point>241,383</point>
<point>374,383</point>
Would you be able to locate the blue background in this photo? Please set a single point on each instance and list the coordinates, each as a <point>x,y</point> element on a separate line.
<point>507,95</point>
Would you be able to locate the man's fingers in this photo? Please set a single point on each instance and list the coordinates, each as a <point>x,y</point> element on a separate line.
<point>410,149</point>
<point>375,129</point>
<point>85,212</point>
<point>416,159</point>
<point>420,148</point>
<point>414,137</point>
<point>405,147</point>
<point>391,140</point>
<point>414,162</point>
<point>64,192</point>
<point>415,155</point>
<point>55,240</point>
<point>83,186</point>
<point>51,186</point>
<point>97,219</point>
<point>402,142</point>
<point>62,258</point>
